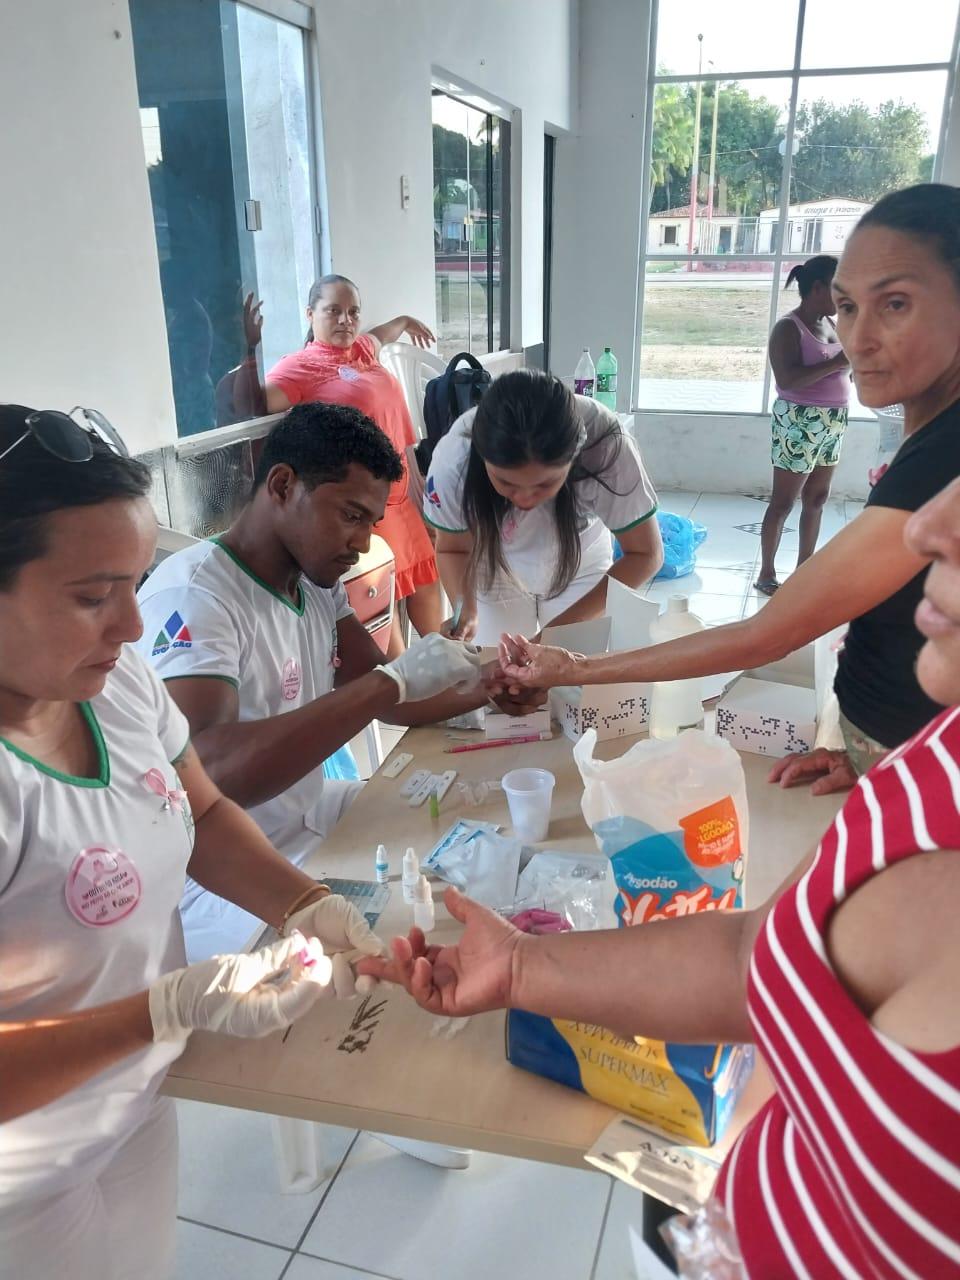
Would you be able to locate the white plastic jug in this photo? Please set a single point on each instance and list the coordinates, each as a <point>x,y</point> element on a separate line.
<point>675,704</point>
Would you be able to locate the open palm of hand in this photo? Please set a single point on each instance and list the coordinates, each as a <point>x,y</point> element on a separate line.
<point>474,976</point>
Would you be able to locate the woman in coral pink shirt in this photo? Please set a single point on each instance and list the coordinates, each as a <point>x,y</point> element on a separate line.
<point>340,365</point>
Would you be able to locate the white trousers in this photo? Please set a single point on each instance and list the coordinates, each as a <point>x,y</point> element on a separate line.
<point>513,609</point>
<point>118,1225</point>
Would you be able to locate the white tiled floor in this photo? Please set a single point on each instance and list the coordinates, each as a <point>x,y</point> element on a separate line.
<point>383,1214</point>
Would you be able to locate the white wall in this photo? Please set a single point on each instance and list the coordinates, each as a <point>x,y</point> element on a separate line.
<point>599,171</point>
<point>376,58</point>
<point>731,453</point>
<point>82,318</point>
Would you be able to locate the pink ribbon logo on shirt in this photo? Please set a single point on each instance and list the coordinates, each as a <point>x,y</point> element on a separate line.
<point>103,886</point>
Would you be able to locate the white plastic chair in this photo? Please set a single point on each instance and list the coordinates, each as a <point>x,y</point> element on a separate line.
<point>413,368</point>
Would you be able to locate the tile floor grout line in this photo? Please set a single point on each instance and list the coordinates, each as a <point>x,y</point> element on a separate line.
<point>240,1235</point>
<point>323,1201</point>
<point>347,1266</point>
<point>603,1227</point>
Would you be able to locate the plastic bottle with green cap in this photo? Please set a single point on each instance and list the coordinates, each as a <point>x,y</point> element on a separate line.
<point>606,392</point>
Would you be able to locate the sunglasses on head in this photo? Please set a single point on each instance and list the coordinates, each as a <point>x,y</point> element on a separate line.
<point>68,439</point>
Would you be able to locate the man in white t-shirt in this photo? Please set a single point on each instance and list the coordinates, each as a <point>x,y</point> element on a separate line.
<point>261,651</point>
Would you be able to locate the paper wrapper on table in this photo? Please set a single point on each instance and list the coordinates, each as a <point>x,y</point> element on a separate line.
<point>672,818</point>
<point>497,725</point>
<point>685,1091</point>
<point>613,710</point>
<point>768,718</point>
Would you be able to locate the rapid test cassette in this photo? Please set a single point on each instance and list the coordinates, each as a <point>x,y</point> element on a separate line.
<point>397,765</point>
<point>437,784</point>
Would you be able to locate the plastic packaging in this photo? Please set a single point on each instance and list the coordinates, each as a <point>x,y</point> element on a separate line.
<point>479,862</point>
<point>672,818</point>
<point>579,886</point>
<point>585,375</point>
<point>675,704</point>
<point>381,867</point>
<point>474,794</point>
<point>704,1244</point>
<point>529,795</point>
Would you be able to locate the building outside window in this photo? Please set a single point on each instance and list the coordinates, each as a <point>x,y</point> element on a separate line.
<point>769,140</point>
<point>470,227</point>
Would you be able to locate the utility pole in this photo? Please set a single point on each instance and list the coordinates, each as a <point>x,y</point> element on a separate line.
<point>713,148</point>
<point>696,154</point>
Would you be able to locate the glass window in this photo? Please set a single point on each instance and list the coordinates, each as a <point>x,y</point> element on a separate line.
<point>704,337</point>
<point>470,227</point>
<point>716,236</point>
<point>223,112</point>
<point>737,36</point>
<point>880,33</point>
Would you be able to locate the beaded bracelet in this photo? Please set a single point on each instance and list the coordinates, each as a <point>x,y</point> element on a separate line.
<point>302,900</point>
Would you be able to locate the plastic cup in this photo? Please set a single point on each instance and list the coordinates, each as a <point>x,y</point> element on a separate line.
<point>529,796</point>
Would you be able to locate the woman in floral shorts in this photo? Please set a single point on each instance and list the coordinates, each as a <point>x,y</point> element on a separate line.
<point>809,414</point>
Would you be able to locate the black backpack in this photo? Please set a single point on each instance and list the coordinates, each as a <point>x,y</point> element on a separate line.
<point>446,397</point>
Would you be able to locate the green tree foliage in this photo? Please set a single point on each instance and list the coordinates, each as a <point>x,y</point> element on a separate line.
<point>855,152</point>
<point>850,151</point>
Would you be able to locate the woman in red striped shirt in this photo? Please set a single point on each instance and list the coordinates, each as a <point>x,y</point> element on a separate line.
<point>848,979</point>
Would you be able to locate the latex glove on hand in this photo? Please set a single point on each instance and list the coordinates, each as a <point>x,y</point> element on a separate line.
<point>242,995</point>
<point>432,665</point>
<point>345,937</point>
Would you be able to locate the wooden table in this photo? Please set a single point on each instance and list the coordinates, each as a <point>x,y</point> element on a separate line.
<point>374,1066</point>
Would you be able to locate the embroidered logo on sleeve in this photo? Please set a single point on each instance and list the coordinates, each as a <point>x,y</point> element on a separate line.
<point>432,496</point>
<point>174,634</point>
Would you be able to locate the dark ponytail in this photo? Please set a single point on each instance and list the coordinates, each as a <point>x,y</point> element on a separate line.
<point>818,270</point>
<point>529,416</point>
<point>35,484</point>
<point>316,293</point>
<point>929,212</point>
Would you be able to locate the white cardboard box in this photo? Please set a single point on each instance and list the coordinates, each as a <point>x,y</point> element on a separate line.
<point>768,718</point>
<point>498,725</point>
<point>614,710</point>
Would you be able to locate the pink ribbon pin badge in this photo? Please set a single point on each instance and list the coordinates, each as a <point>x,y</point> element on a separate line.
<point>173,798</point>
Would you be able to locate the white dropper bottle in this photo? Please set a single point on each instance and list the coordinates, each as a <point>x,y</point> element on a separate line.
<point>424,915</point>
<point>410,877</point>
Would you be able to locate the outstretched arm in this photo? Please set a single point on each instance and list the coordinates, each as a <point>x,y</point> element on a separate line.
<point>860,567</point>
<point>393,330</point>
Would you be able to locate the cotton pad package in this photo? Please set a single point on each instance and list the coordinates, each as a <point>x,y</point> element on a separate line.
<point>672,818</point>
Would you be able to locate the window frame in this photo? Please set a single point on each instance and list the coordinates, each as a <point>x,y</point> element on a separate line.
<point>473,102</point>
<point>795,74</point>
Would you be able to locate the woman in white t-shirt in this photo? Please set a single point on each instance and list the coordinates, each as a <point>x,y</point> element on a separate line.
<point>103,807</point>
<point>525,491</point>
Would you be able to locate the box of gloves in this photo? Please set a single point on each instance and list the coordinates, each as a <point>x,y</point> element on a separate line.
<point>686,1091</point>
<point>768,717</point>
<point>614,710</point>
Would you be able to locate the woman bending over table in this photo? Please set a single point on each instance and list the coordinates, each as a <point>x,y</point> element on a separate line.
<point>897,291</point>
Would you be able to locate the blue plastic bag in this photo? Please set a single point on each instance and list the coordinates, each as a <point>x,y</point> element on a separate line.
<point>681,537</point>
<point>342,765</point>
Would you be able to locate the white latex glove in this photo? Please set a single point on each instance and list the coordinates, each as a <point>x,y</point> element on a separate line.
<point>345,937</point>
<point>432,665</point>
<point>243,995</point>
